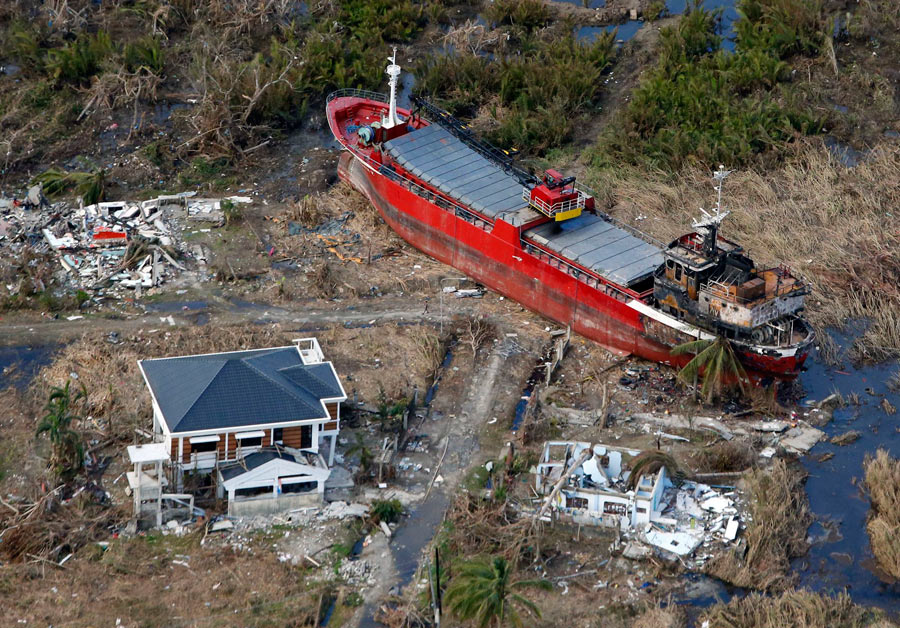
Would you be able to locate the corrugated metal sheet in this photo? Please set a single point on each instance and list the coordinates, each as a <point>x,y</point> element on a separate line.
<point>600,246</point>
<point>439,158</point>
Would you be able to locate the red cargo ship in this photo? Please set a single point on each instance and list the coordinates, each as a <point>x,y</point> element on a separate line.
<point>544,243</point>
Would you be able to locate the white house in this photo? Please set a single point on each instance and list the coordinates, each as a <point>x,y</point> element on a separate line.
<point>596,492</point>
<point>220,412</point>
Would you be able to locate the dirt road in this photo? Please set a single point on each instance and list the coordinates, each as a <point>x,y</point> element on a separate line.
<point>18,329</point>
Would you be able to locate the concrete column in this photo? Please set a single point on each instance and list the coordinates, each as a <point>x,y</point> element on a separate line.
<point>331,450</point>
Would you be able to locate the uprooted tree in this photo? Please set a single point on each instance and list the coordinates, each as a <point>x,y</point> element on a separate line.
<point>67,448</point>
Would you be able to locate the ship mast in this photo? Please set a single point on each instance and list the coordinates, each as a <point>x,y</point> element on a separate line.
<point>711,221</point>
<point>393,72</point>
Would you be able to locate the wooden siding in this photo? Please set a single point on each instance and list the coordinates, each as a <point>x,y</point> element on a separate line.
<point>186,452</point>
<point>331,425</point>
<point>174,455</point>
<point>293,437</point>
<point>332,409</point>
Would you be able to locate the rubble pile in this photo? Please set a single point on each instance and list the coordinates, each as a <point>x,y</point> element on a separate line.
<point>110,246</point>
<point>694,516</point>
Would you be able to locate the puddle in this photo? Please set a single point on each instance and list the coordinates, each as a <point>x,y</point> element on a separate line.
<point>589,4</point>
<point>840,557</point>
<point>176,306</point>
<point>624,32</point>
<point>432,390</point>
<point>19,364</point>
<point>845,153</point>
<point>9,69</point>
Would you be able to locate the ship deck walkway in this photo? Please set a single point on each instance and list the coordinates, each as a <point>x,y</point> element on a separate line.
<point>443,161</point>
<point>599,246</point>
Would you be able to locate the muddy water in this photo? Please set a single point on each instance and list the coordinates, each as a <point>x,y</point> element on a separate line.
<point>19,364</point>
<point>841,557</point>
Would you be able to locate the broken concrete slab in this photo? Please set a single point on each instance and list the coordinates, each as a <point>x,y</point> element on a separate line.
<point>801,439</point>
<point>769,426</point>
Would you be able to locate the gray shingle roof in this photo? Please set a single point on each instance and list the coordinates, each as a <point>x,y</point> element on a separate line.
<point>224,390</point>
<point>253,461</point>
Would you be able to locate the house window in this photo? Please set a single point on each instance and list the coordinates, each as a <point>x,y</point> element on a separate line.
<point>576,502</point>
<point>306,437</point>
<point>278,434</point>
<point>251,442</point>
<point>613,508</point>
<point>197,448</point>
<point>254,491</point>
<point>300,487</point>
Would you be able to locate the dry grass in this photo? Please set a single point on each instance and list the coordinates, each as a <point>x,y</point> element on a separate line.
<point>164,581</point>
<point>779,518</point>
<point>837,226</point>
<point>883,484</point>
<point>792,608</point>
<point>723,457</point>
<point>658,617</point>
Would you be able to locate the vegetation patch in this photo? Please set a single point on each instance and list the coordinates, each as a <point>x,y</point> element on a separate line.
<point>883,484</point>
<point>776,532</point>
<point>792,608</point>
<point>704,104</point>
<point>530,100</point>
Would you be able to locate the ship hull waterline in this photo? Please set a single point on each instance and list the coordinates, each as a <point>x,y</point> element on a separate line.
<point>551,292</point>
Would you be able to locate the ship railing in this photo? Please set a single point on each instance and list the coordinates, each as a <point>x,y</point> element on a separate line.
<point>551,210</point>
<point>349,92</point>
<point>439,200</point>
<point>579,274</point>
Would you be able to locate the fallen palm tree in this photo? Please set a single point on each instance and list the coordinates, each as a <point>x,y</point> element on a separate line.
<point>883,484</point>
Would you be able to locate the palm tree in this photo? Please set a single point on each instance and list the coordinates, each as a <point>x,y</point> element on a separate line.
<point>715,362</point>
<point>68,450</point>
<point>483,591</point>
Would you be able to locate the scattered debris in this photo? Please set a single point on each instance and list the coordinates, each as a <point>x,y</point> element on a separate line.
<point>846,438</point>
<point>127,244</point>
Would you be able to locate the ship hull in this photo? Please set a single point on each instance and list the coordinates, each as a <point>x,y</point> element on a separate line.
<point>499,262</point>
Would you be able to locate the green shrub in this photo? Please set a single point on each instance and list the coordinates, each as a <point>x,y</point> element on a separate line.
<point>145,55</point>
<point>387,510</point>
<point>528,15</point>
<point>703,104</point>
<point>78,61</point>
<point>655,11</point>
<point>542,90</point>
<point>379,21</point>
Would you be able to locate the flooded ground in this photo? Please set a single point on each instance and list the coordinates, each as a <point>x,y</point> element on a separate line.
<point>841,558</point>
<point>19,364</point>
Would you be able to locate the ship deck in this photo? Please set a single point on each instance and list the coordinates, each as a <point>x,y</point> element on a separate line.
<point>599,246</point>
<point>439,158</point>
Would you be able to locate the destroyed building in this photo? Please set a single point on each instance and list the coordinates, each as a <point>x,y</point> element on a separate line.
<point>596,493</point>
<point>673,516</point>
<point>263,423</point>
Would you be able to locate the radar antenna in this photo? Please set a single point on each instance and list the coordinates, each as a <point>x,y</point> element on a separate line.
<point>710,221</point>
<point>393,72</point>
